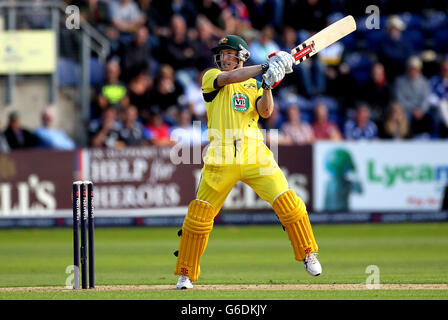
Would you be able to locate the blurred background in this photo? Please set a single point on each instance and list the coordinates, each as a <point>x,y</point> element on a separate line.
<point>95,89</point>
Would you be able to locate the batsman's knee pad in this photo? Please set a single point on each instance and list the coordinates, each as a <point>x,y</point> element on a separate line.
<point>195,232</point>
<point>291,211</point>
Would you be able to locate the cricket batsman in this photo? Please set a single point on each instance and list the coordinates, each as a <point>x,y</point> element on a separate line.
<point>237,152</point>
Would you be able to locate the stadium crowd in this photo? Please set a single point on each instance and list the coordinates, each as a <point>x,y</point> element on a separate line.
<point>389,82</point>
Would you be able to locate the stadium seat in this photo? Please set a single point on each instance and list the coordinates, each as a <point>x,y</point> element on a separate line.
<point>441,41</point>
<point>360,67</point>
<point>68,73</point>
<point>416,38</point>
<point>97,72</point>
<point>413,21</point>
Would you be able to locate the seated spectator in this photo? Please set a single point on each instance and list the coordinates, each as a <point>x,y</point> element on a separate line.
<point>323,129</point>
<point>396,123</point>
<point>313,14</point>
<point>297,131</point>
<point>180,51</point>
<point>132,131</point>
<point>126,16</point>
<point>376,92</point>
<point>113,92</point>
<point>412,90</point>
<point>237,11</point>
<point>262,48</point>
<point>167,93</point>
<point>105,132</point>
<point>51,138</point>
<point>207,38</point>
<point>17,136</point>
<point>261,13</point>
<point>213,13</point>
<point>361,127</point>
<point>394,50</point>
<point>439,98</point>
<point>312,77</point>
<point>155,21</point>
<point>136,58</point>
<point>159,131</point>
<point>187,133</point>
<point>139,91</point>
<point>96,13</point>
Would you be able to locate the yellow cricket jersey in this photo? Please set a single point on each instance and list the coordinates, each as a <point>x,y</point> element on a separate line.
<point>231,111</point>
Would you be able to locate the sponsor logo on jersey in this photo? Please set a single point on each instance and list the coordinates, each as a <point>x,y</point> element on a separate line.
<point>240,102</point>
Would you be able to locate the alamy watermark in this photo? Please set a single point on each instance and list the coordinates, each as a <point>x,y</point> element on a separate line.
<point>72,21</point>
<point>373,20</point>
<point>373,280</point>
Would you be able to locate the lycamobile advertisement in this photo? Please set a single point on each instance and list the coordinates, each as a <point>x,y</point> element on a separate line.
<point>382,176</point>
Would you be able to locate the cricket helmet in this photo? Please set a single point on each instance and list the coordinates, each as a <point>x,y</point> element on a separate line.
<point>232,42</point>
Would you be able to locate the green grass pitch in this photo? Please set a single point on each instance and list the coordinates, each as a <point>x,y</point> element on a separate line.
<point>404,254</point>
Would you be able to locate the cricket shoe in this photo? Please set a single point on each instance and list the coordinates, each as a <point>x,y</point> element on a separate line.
<point>184,282</point>
<point>312,265</point>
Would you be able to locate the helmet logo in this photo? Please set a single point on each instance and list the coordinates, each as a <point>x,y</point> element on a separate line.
<point>223,40</point>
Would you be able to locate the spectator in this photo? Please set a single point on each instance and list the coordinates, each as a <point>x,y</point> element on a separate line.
<point>361,127</point>
<point>207,38</point>
<point>323,129</point>
<point>96,13</point>
<point>159,131</point>
<point>167,93</point>
<point>212,11</point>
<point>132,131</point>
<point>312,77</point>
<point>136,58</point>
<point>105,132</point>
<point>126,16</point>
<point>376,92</point>
<point>17,136</point>
<point>179,51</point>
<point>140,94</point>
<point>396,124</point>
<point>237,10</point>
<point>155,21</point>
<point>261,13</point>
<point>294,129</point>
<point>51,138</point>
<point>313,14</point>
<point>261,49</point>
<point>186,133</point>
<point>113,92</point>
<point>394,50</point>
<point>412,90</point>
<point>439,98</point>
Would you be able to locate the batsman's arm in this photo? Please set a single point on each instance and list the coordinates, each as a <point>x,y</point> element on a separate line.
<point>265,105</point>
<point>239,75</point>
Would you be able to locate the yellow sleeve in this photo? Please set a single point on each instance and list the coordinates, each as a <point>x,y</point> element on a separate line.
<point>208,80</point>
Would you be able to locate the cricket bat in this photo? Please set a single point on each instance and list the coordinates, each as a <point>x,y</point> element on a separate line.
<point>323,39</point>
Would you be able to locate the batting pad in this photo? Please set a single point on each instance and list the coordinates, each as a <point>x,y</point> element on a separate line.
<point>291,211</point>
<point>195,232</point>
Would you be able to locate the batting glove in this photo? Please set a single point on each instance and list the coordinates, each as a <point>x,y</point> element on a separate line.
<point>283,57</point>
<point>273,76</point>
